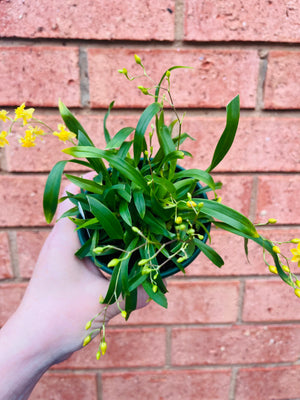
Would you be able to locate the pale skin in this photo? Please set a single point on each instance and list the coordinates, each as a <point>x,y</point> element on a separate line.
<point>49,324</point>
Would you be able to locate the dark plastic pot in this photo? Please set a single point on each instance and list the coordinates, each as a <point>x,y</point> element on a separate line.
<point>170,268</point>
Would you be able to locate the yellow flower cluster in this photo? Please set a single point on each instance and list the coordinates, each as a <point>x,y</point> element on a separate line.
<point>31,133</point>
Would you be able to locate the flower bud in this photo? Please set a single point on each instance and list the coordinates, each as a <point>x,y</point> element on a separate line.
<point>297,283</point>
<point>137,59</point>
<point>124,314</point>
<point>87,340</point>
<point>168,73</point>
<point>135,229</point>
<point>276,249</point>
<point>200,237</point>
<point>113,262</point>
<point>101,299</point>
<point>285,268</point>
<point>123,71</point>
<point>297,292</point>
<point>98,355</point>
<point>219,199</point>
<point>154,288</point>
<point>181,259</point>
<point>200,205</point>
<point>146,270</point>
<point>178,220</point>
<point>191,204</point>
<point>143,261</point>
<point>143,89</point>
<point>88,325</point>
<point>273,269</point>
<point>190,231</point>
<point>272,221</point>
<point>98,250</point>
<point>103,347</point>
<point>295,240</point>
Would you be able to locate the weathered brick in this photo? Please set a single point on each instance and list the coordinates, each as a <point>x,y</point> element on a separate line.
<point>235,345</point>
<point>217,76</point>
<point>66,387</point>
<point>270,301</point>
<point>261,144</point>
<point>283,73</point>
<point>5,268</point>
<point>126,348</point>
<point>39,76</point>
<point>192,302</point>
<point>10,296</point>
<point>29,245</point>
<point>167,385</point>
<point>274,21</point>
<point>231,249</point>
<point>278,383</point>
<point>22,197</point>
<point>277,198</point>
<point>90,19</point>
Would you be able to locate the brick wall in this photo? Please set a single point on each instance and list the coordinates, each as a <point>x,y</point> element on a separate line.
<point>231,334</point>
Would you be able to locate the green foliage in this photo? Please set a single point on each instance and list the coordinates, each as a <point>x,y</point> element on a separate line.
<point>142,215</point>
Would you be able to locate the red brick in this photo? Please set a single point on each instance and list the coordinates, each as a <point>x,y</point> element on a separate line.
<point>66,387</point>
<point>5,268</point>
<point>281,89</point>
<point>192,302</point>
<point>280,383</point>
<point>29,245</point>
<point>39,76</point>
<point>10,296</point>
<point>277,198</point>
<point>235,345</point>
<point>270,301</point>
<point>274,21</point>
<point>90,19</point>
<point>261,144</point>
<point>126,348</point>
<point>22,197</point>
<point>217,76</point>
<point>167,385</point>
<point>236,191</point>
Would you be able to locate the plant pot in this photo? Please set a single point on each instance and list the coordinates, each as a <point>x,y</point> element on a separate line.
<point>170,268</point>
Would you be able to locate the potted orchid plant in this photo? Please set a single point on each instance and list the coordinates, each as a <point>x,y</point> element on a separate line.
<point>143,217</point>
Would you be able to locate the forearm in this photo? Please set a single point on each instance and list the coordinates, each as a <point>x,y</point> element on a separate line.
<point>23,358</point>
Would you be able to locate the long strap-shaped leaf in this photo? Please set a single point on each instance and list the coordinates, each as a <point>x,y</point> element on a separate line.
<point>121,165</point>
<point>71,122</point>
<point>226,140</point>
<point>200,175</point>
<point>229,216</point>
<point>52,187</point>
<point>140,130</point>
<point>106,217</point>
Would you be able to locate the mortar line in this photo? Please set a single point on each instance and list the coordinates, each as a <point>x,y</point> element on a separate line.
<point>99,386</point>
<point>84,78</point>
<point>13,253</point>
<point>168,361</point>
<point>262,72</point>
<point>233,380</point>
<point>179,22</point>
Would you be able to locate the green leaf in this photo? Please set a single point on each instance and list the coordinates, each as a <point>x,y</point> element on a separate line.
<point>165,184</point>
<point>51,191</point>
<point>106,218</point>
<point>130,303</point>
<point>158,297</point>
<point>166,141</point>
<point>119,138</point>
<point>139,202</point>
<point>229,216</point>
<point>114,288</point>
<point>124,212</point>
<point>227,138</point>
<point>106,133</point>
<point>138,141</point>
<point>85,184</point>
<point>197,174</point>
<point>71,122</point>
<point>122,166</point>
<point>209,252</point>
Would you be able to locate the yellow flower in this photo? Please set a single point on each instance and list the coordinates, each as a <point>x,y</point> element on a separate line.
<point>3,115</point>
<point>3,140</point>
<point>28,140</point>
<point>24,114</point>
<point>37,131</point>
<point>63,134</point>
<point>296,255</point>
<point>191,204</point>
